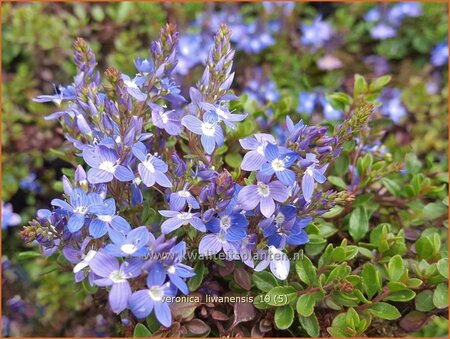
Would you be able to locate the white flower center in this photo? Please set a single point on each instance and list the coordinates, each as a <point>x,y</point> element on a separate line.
<point>164,118</point>
<point>128,248</point>
<point>107,166</point>
<point>105,218</point>
<point>263,190</point>
<point>184,194</point>
<point>278,165</point>
<point>225,222</point>
<point>149,166</point>
<point>279,219</point>
<point>117,276</point>
<point>309,171</point>
<point>130,84</point>
<point>137,181</point>
<point>156,293</point>
<point>184,216</point>
<point>80,209</point>
<point>208,129</point>
<point>171,269</point>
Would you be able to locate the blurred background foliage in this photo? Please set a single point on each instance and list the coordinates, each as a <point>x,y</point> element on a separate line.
<point>40,300</point>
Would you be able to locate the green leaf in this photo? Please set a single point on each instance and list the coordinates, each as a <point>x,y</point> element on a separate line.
<point>28,255</point>
<point>281,295</point>
<point>337,181</point>
<point>306,302</point>
<point>195,282</point>
<point>233,160</point>
<point>264,281</point>
<point>359,223</point>
<point>424,301</point>
<point>140,331</point>
<point>440,296</point>
<point>442,266</point>
<point>371,280</point>
<point>360,85</point>
<point>310,325</point>
<point>401,296</point>
<point>384,311</point>
<point>284,317</point>
<point>391,186</point>
<point>306,270</point>
<point>412,163</point>
<point>396,268</point>
<point>424,248</point>
<point>379,83</point>
<point>434,210</point>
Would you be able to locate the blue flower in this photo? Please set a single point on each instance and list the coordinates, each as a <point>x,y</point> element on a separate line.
<point>254,159</point>
<point>178,219</point>
<point>307,102</point>
<point>285,228</point>
<point>223,114</point>
<point>279,164</point>
<point>316,33</point>
<point>439,54</point>
<point>144,66</point>
<point>111,273</point>
<point>167,120</point>
<point>105,165</point>
<point>143,302</point>
<point>311,175</point>
<point>278,261</point>
<point>209,129</point>
<point>9,218</point>
<point>178,200</point>
<point>151,169</point>
<point>392,105</point>
<point>329,112</point>
<point>226,229</point>
<point>383,31</point>
<point>106,221</point>
<point>176,271</point>
<point>133,87</point>
<point>133,244</point>
<point>263,194</point>
<point>81,204</point>
<point>63,93</point>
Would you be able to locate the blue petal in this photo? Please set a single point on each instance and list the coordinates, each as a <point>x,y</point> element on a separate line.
<point>123,173</point>
<point>307,187</point>
<point>208,143</point>
<point>156,276</point>
<point>76,221</point>
<point>141,304</point>
<point>271,151</point>
<point>286,176</point>
<point>97,228</point>
<point>162,312</point>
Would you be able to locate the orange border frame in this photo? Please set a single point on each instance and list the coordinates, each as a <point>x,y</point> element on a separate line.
<point>181,1</point>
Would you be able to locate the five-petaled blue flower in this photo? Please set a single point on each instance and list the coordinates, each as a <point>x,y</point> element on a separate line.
<point>80,205</point>
<point>143,302</point>
<point>151,169</point>
<point>209,129</point>
<point>106,221</point>
<point>133,244</point>
<point>178,219</point>
<point>279,164</point>
<point>105,165</point>
<point>111,273</point>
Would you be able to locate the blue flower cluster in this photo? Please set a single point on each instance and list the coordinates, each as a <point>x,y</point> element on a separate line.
<point>143,145</point>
